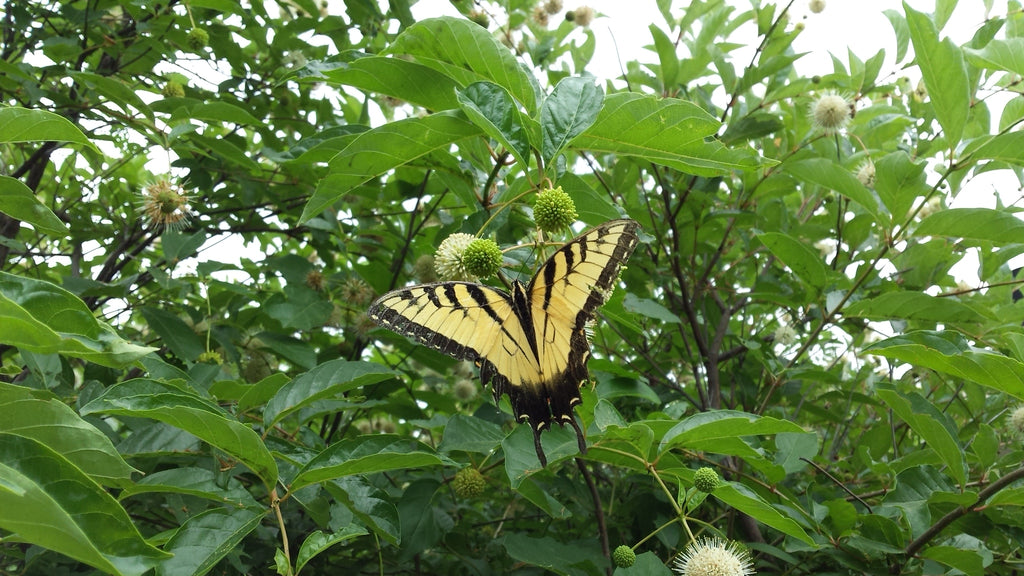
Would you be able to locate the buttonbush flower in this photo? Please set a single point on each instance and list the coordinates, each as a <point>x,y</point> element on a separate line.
<point>714,557</point>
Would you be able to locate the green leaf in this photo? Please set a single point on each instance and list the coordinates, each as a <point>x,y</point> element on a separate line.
<point>385,148</point>
<point>647,564</point>
<point>899,181</point>
<point>1007,497</point>
<point>999,54</point>
<point>197,482</point>
<point>222,112</point>
<point>947,352</point>
<point>717,425</point>
<point>902,31</point>
<point>966,561</point>
<point>666,131</point>
<point>913,306</point>
<point>492,108</point>
<point>317,542</point>
<point>744,500</point>
<point>18,202</point>
<point>28,413</point>
<point>409,81</point>
<point>804,261</point>
<point>550,554</point>
<point>204,539</point>
<point>533,491</point>
<point>46,319</point>
<point>571,108</point>
<point>144,398</point>
<point>115,91</point>
<point>421,521</point>
<point>175,333</point>
<point>365,455</point>
<point>935,428</point>
<point>1005,147</point>
<point>470,434</point>
<point>368,503</point>
<point>49,502</point>
<point>832,176</point>
<point>667,57</point>
<point>327,380</point>
<point>24,125</point>
<point>468,53</point>
<point>945,74</point>
<point>649,308</point>
<point>984,224</point>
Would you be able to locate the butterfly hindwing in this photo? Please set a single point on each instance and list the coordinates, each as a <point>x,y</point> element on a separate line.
<point>531,344</point>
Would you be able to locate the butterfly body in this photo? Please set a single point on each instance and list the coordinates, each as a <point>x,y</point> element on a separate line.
<point>531,343</point>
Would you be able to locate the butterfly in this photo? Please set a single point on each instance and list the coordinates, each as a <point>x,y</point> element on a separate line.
<point>531,343</point>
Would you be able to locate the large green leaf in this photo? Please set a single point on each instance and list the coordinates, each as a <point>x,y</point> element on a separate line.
<point>999,54</point>
<point>935,428</point>
<point>804,261</point>
<point>24,125</point>
<point>829,175</point>
<point>409,81</point>
<point>1007,147</point>
<point>326,380</point>
<point>197,482</point>
<point>384,148</point>
<point>365,455</point>
<point>371,505</point>
<point>571,108</point>
<point>664,131</point>
<point>899,181</point>
<point>31,414</point>
<point>467,53</point>
<point>175,333</point>
<point>144,398</point>
<point>913,306</point>
<point>18,202</point>
<point>200,543</point>
<point>947,352</point>
<point>985,224</point>
<point>492,108</point>
<point>552,555</point>
<point>318,541</point>
<point>945,74</point>
<point>743,499</point>
<point>720,425</point>
<point>44,318</point>
<point>46,500</point>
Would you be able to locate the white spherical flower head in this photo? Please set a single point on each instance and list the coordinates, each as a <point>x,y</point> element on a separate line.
<point>1017,421</point>
<point>448,260</point>
<point>830,113</point>
<point>714,557</point>
<point>866,174</point>
<point>817,6</point>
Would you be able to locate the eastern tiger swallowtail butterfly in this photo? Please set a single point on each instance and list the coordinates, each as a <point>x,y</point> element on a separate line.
<point>530,344</point>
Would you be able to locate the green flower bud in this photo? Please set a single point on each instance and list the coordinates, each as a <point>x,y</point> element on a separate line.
<point>624,557</point>
<point>211,357</point>
<point>706,480</point>
<point>468,483</point>
<point>482,257</point>
<point>173,90</point>
<point>198,39</point>
<point>553,210</point>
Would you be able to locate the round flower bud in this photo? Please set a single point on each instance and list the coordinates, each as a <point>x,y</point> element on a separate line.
<point>480,18</point>
<point>553,6</point>
<point>315,279</point>
<point>623,556</point>
<point>1017,421</point>
<point>581,16</point>
<point>468,483</point>
<point>830,113</point>
<point>540,16</point>
<point>356,292</point>
<point>423,270</point>
<point>705,480</point>
<point>449,259</point>
<point>173,90</point>
<point>198,39</point>
<point>817,6</point>
<point>553,210</point>
<point>465,389</point>
<point>211,357</point>
<point>785,335</point>
<point>166,205</point>
<point>866,174</point>
<point>364,426</point>
<point>482,257</point>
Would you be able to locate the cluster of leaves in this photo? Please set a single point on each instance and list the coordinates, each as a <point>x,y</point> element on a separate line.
<point>790,318</point>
